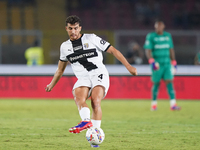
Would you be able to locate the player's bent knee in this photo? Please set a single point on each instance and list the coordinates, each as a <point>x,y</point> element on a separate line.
<point>156,83</point>
<point>168,81</point>
<point>96,103</point>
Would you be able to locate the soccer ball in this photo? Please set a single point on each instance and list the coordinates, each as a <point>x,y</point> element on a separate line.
<point>95,135</point>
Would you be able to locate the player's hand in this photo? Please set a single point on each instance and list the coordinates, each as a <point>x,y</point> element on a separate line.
<point>174,63</point>
<point>132,70</point>
<point>48,88</point>
<point>155,65</point>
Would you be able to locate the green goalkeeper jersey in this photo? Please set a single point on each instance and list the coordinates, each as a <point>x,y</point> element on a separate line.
<point>160,46</point>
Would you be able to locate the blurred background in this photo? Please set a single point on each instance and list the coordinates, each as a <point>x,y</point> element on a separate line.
<point>124,23</point>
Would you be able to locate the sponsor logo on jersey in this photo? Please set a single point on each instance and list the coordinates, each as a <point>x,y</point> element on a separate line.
<point>166,38</point>
<point>75,58</point>
<point>161,46</point>
<point>103,42</point>
<point>78,47</point>
<point>82,55</point>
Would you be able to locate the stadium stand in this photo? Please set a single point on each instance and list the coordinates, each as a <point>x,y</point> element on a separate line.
<point>128,14</point>
<point>97,16</point>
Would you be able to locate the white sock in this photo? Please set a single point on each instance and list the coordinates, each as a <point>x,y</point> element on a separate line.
<point>85,114</point>
<point>96,123</point>
<point>172,102</point>
<point>153,103</point>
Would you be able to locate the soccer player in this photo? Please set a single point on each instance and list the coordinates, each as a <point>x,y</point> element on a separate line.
<point>84,52</point>
<point>161,56</point>
<point>197,59</point>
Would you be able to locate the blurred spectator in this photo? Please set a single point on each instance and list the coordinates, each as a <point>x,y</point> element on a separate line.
<point>147,11</point>
<point>81,4</point>
<point>197,59</point>
<point>135,54</point>
<point>14,2</point>
<point>141,10</point>
<point>87,4</point>
<point>180,16</point>
<point>21,2</point>
<point>153,11</point>
<point>34,55</point>
<point>195,15</point>
<point>73,5</point>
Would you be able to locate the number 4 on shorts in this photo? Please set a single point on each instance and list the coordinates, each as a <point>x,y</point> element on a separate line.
<point>101,76</point>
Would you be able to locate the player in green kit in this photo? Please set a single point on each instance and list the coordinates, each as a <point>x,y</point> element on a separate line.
<point>161,56</point>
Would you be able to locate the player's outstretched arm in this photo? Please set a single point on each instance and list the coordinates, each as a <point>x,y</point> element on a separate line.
<point>122,59</point>
<point>58,74</point>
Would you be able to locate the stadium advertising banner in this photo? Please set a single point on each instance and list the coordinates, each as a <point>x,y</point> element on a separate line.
<point>126,87</point>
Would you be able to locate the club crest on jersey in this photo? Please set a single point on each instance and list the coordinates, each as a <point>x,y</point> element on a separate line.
<point>86,45</point>
<point>167,38</point>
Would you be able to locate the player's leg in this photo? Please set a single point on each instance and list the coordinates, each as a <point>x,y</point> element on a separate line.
<point>80,93</point>
<point>155,88</point>
<point>168,78</point>
<point>171,92</point>
<point>100,86</point>
<point>156,77</point>
<point>170,89</point>
<point>97,95</point>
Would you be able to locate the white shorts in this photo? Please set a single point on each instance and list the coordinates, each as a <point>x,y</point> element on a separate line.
<point>94,80</point>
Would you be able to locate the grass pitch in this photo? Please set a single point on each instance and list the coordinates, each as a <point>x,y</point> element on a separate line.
<point>128,125</point>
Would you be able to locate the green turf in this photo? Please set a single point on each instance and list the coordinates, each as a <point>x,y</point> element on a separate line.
<point>43,125</point>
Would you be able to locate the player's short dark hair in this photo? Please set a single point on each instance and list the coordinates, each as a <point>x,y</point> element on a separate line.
<point>159,20</point>
<point>73,20</point>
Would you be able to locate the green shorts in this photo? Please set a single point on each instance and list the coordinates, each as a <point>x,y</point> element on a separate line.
<point>165,73</point>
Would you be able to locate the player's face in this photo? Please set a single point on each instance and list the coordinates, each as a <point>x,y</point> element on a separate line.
<point>73,31</point>
<point>159,27</point>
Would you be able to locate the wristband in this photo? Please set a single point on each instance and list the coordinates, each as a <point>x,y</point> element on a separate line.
<point>173,62</point>
<point>151,60</point>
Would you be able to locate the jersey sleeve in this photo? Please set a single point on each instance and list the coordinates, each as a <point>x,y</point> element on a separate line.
<point>100,43</point>
<point>62,55</point>
<point>171,41</point>
<point>148,42</point>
